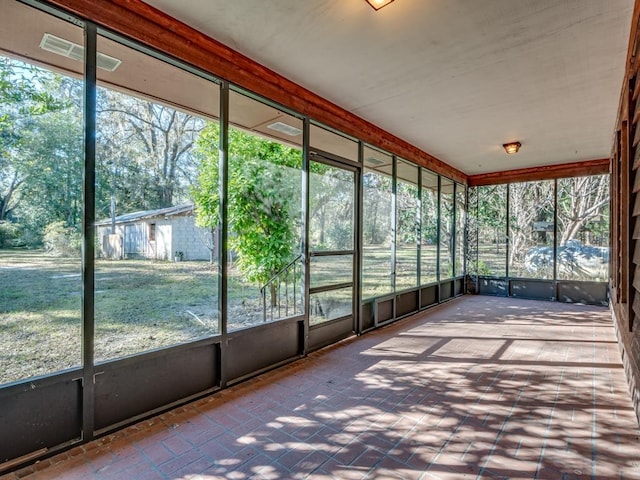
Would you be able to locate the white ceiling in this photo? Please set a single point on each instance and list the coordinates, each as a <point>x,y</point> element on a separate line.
<point>456,78</point>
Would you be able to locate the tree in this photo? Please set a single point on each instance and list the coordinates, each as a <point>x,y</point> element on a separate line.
<point>377,207</point>
<point>263,200</point>
<point>530,203</point>
<point>27,93</point>
<point>145,153</point>
<point>581,201</point>
<point>53,157</point>
<point>407,211</point>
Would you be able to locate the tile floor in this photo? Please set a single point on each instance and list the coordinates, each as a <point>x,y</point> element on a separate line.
<point>477,388</point>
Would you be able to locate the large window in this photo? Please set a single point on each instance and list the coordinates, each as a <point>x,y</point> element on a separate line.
<point>461,217</point>
<point>376,224</point>
<point>264,197</point>
<point>41,162</point>
<point>429,228</point>
<point>331,242</point>
<point>156,257</point>
<point>531,227</point>
<point>447,239</point>
<point>407,225</point>
<point>156,234</point>
<point>574,208</point>
<point>583,228</point>
<point>491,224</point>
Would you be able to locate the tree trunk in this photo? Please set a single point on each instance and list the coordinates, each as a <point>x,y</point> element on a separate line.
<point>273,294</point>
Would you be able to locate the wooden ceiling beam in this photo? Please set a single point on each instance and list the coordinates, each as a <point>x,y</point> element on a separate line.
<point>548,172</point>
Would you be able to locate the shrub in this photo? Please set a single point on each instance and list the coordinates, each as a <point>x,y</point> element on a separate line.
<point>9,234</point>
<point>62,241</point>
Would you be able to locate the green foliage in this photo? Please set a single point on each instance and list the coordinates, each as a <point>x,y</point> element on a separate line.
<point>144,153</point>
<point>263,199</point>
<point>21,98</point>
<point>407,213</point>
<point>377,208</point>
<point>40,149</point>
<point>483,268</point>
<point>62,241</point>
<point>9,234</point>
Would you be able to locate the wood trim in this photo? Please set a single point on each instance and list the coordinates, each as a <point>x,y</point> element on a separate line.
<point>548,172</point>
<point>151,27</point>
<point>614,279</point>
<point>636,158</point>
<point>624,213</point>
<point>636,232</point>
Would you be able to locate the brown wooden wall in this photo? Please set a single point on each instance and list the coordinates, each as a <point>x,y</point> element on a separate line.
<point>625,219</point>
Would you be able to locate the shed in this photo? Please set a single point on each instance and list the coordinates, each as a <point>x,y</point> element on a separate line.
<point>161,234</point>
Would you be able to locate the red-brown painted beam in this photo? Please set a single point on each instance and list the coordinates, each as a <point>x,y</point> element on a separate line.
<point>153,28</point>
<point>548,172</point>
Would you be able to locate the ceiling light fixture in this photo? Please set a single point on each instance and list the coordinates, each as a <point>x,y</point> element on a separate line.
<point>511,147</point>
<point>378,4</point>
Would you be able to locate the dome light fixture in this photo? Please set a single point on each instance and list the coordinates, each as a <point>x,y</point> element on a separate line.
<point>512,147</point>
<point>378,4</point>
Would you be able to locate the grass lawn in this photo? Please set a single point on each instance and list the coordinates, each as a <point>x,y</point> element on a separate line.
<point>139,305</point>
<point>142,304</point>
<point>376,268</point>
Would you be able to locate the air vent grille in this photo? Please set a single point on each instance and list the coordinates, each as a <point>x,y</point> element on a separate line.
<point>284,128</point>
<point>68,49</point>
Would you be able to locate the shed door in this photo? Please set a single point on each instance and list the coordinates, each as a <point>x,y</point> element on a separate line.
<point>134,239</point>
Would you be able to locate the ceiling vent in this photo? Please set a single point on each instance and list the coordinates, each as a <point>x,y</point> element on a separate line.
<point>68,49</point>
<point>374,161</point>
<point>284,128</point>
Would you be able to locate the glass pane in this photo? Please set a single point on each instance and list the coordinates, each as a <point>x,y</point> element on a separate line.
<point>265,212</point>
<point>41,165</point>
<point>331,199</point>
<point>376,224</point>
<point>461,214</point>
<point>156,205</point>
<point>446,228</point>
<point>331,270</point>
<point>491,220</point>
<point>330,142</point>
<point>531,229</point>
<point>583,228</point>
<point>407,225</point>
<point>429,230</point>
<point>326,306</point>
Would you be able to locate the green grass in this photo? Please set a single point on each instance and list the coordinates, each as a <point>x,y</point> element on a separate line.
<point>139,305</point>
<point>376,268</point>
<point>142,304</point>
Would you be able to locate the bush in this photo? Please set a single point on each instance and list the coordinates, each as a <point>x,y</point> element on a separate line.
<point>9,234</point>
<point>62,241</point>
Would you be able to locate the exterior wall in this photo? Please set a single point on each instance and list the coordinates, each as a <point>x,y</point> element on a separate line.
<point>625,218</point>
<point>110,245</point>
<point>173,234</point>
<point>189,239</point>
<point>164,245</point>
<point>629,344</point>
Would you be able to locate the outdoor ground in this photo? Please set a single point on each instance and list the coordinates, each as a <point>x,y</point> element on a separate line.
<point>140,305</point>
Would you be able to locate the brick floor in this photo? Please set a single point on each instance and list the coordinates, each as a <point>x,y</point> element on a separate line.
<point>477,388</point>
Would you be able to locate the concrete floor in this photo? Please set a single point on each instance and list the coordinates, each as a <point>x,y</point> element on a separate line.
<point>479,387</point>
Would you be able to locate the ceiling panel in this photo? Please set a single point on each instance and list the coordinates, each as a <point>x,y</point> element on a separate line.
<point>456,78</point>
